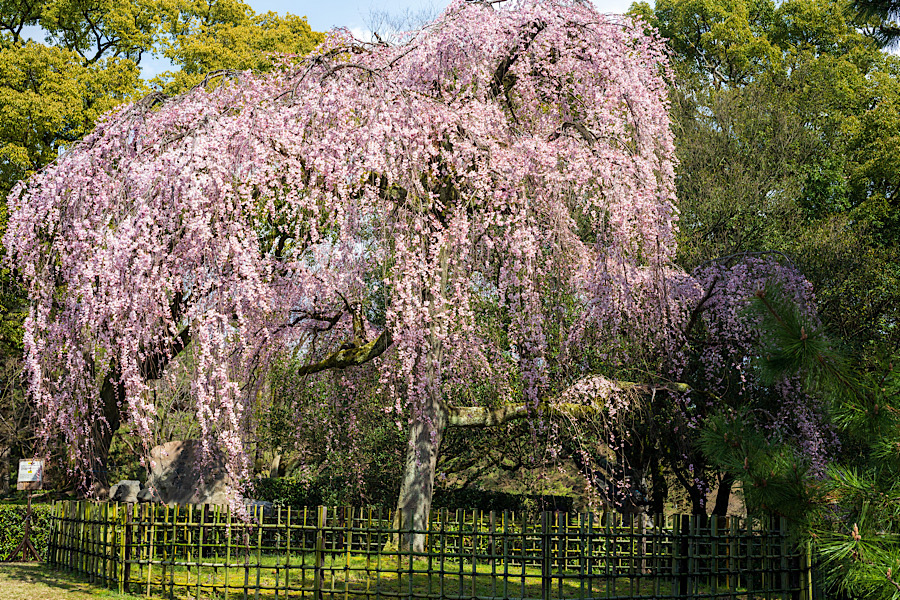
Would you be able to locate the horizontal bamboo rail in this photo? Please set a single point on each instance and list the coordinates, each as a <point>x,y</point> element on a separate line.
<point>342,553</point>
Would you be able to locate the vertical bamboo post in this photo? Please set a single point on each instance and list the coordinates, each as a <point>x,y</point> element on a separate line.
<point>524,531</point>
<point>151,512</point>
<point>79,565</point>
<point>783,548</point>
<point>505,538</point>
<point>734,556</point>
<point>443,540</point>
<point>492,552</point>
<point>129,543</point>
<point>320,553</point>
<point>368,520</point>
<point>173,551</point>
<point>228,533</point>
<point>348,546</point>
<point>410,526</point>
<point>259,514</point>
<point>120,525</point>
<point>287,562</point>
<point>259,530</point>
<point>200,535</point>
<point>659,525</point>
<point>245,538</point>
<point>546,557</point>
<point>806,572</point>
<point>680,555</point>
<point>379,550</point>
<point>751,568</point>
<point>559,548</point>
<point>476,521</point>
<point>460,527</point>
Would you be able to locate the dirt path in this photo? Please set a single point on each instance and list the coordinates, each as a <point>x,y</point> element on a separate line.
<point>33,581</point>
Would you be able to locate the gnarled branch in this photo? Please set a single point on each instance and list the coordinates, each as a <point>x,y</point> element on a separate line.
<point>351,357</point>
<point>476,416</point>
<point>499,82</point>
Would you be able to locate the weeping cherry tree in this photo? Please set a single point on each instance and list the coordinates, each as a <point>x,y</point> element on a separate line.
<point>352,208</point>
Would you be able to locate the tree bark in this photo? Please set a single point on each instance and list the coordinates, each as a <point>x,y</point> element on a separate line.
<point>426,431</point>
<point>4,470</point>
<point>103,432</point>
<point>417,486</point>
<point>723,496</point>
<point>112,392</point>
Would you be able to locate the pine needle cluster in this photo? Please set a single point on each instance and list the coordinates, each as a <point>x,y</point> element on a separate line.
<point>850,513</point>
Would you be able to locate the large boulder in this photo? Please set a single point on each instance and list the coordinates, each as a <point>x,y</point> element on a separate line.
<point>148,495</point>
<point>179,474</point>
<point>126,490</point>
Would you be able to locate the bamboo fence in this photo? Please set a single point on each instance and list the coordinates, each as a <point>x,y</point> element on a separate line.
<point>352,553</point>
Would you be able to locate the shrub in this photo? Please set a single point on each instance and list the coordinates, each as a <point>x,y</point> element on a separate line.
<point>12,528</point>
<point>295,492</point>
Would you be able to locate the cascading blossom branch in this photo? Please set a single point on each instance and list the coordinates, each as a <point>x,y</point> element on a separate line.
<point>498,151</point>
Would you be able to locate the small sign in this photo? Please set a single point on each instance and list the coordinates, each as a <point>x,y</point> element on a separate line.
<point>31,474</point>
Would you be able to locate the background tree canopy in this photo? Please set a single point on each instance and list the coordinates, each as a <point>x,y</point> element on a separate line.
<point>786,128</point>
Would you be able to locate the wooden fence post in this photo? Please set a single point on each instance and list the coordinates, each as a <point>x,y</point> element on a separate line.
<point>680,555</point>
<point>806,592</point>
<point>546,557</point>
<point>126,550</point>
<point>321,517</point>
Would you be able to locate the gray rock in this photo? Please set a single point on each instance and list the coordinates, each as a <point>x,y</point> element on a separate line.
<point>179,476</point>
<point>125,491</point>
<point>148,495</point>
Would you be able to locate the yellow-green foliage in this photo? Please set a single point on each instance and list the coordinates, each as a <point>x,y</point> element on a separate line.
<point>53,93</point>
<point>50,98</point>
<point>228,35</point>
<point>12,527</point>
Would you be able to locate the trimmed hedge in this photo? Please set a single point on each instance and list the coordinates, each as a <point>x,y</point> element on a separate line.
<point>285,491</point>
<point>12,527</point>
<point>485,500</point>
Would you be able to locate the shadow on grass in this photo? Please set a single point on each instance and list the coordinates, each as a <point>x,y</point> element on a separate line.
<point>28,581</point>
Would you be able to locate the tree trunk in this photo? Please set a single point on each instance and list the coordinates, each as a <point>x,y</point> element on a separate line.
<point>723,496</point>
<point>4,470</point>
<point>417,486</point>
<point>113,391</point>
<point>103,432</point>
<point>659,487</point>
<point>425,433</point>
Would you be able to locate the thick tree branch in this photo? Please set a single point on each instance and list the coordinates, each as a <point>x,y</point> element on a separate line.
<point>585,133</point>
<point>154,365</point>
<point>351,357</point>
<point>476,416</point>
<point>499,82</point>
<point>698,310</point>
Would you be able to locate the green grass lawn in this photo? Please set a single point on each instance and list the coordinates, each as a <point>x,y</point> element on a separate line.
<point>373,578</point>
<point>345,577</point>
<point>36,581</point>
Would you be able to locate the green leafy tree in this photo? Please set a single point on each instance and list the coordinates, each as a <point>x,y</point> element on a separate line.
<point>202,37</point>
<point>786,131</point>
